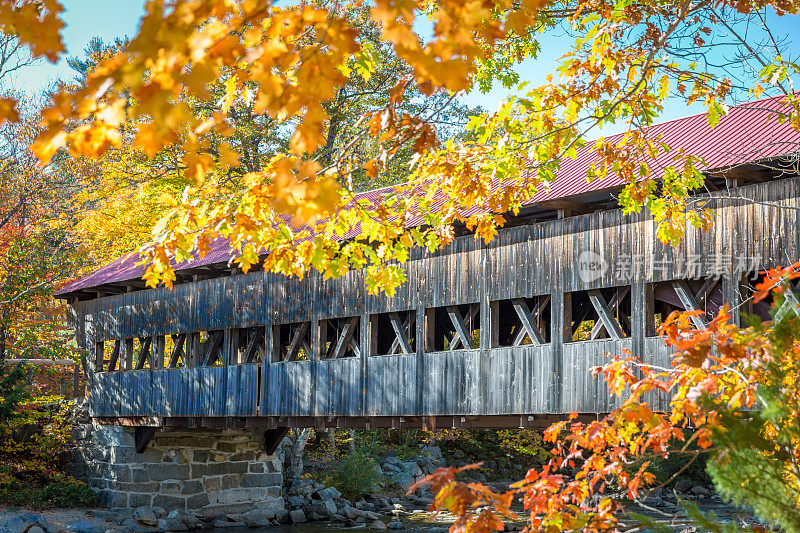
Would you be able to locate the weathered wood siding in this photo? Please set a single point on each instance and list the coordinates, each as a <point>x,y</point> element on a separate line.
<point>522,262</point>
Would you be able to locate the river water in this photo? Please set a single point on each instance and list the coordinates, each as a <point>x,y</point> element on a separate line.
<point>426,522</point>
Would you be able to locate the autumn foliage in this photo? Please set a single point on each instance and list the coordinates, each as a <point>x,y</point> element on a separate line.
<point>287,63</point>
<point>731,391</point>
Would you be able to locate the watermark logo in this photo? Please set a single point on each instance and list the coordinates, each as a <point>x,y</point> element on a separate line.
<point>591,266</point>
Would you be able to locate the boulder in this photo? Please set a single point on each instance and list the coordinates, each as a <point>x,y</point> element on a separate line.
<point>303,487</point>
<point>330,507</point>
<point>36,529</point>
<point>700,490</point>
<point>281,516</point>
<point>329,493</point>
<point>145,516</point>
<point>390,468</point>
<point>377,524</point>
<point>221,522</point>
<point>350,512</point>
<point>683,485</point>
<point>397,524</point>
<point>172,524</point>
<point>392,460</point>
<point>432,451</point>
<point>217,510</point>
<point>132,525</point>
<point>297,516</point>
<point>191,521</point>
<point>84,526</point>
<point>23,522</point>
<point>262,517</point>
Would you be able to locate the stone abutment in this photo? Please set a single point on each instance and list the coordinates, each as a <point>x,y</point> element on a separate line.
<point>225,471</point>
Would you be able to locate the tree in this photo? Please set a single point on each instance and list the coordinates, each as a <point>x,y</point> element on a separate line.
<point>37,251</point>
<point>38,209</point>
<point>127,186</point>
<point>291,63</point>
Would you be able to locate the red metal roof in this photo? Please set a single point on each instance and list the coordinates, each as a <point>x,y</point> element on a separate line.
<point>749,132</point>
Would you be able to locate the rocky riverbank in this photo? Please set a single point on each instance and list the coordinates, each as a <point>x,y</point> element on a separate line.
<point>306,501</point>
<point>310,502</point>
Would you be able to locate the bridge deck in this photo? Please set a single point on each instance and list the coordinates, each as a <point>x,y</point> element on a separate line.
<point>477,331</point>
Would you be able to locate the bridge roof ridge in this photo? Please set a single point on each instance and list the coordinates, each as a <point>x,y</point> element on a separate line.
<point>737,139</point>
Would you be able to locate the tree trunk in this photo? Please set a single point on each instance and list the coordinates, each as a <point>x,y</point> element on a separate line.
<point>3,337</point>
<point>293,456</point>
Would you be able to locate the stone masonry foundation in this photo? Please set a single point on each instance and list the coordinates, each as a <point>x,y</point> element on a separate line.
<point>179,469</point>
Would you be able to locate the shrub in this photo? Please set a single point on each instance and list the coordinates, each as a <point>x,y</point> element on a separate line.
<point>355,475</point>
<point>67,493</point>
<point>665,469</point>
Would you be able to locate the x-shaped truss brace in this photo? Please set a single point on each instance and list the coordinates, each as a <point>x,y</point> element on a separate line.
<point>112,360</point>
<point>605,311</point>
<point>210,350</point>
<point>255,340</point>
<point>299,339</point>
<point>529,320</point>
<point>145,353</point>
<point>461,335</point>
<point>695,302</point>
<point>791,303</point>
<point>401,331</point>
<point>178,350</point>
<point>346,340</point>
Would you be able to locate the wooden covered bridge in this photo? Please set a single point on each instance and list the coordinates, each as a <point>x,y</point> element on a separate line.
<point>498,335</point>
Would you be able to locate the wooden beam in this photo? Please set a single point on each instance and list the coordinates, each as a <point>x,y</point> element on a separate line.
<point>689,303</point>
<point>460,329</point>
<point>407,323</point>
<point>616,300</point>
<point>294,346</point>
<point>252,346</point>
<point>273,439</point>
<point>524,314</point>
<point>600,306</point>
<point>142,436</point>
<point>158,352</point>
<point>535,316</point>
<point>400,332</point>
<point>791,302</point>
<point>566,205</point>
<point>179,341</point>
<point>345,337</point>
<point>212,345</point>
<point>114,359</point>
<point>144,352</point>
<point>705,291</point>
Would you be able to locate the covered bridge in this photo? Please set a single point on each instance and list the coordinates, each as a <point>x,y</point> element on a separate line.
<point>497,335</point>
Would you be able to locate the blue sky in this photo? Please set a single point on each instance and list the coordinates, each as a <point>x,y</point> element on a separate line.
<point>106,19</point>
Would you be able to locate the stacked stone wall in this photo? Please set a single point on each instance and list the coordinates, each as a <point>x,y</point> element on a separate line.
<point>179,469</point>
